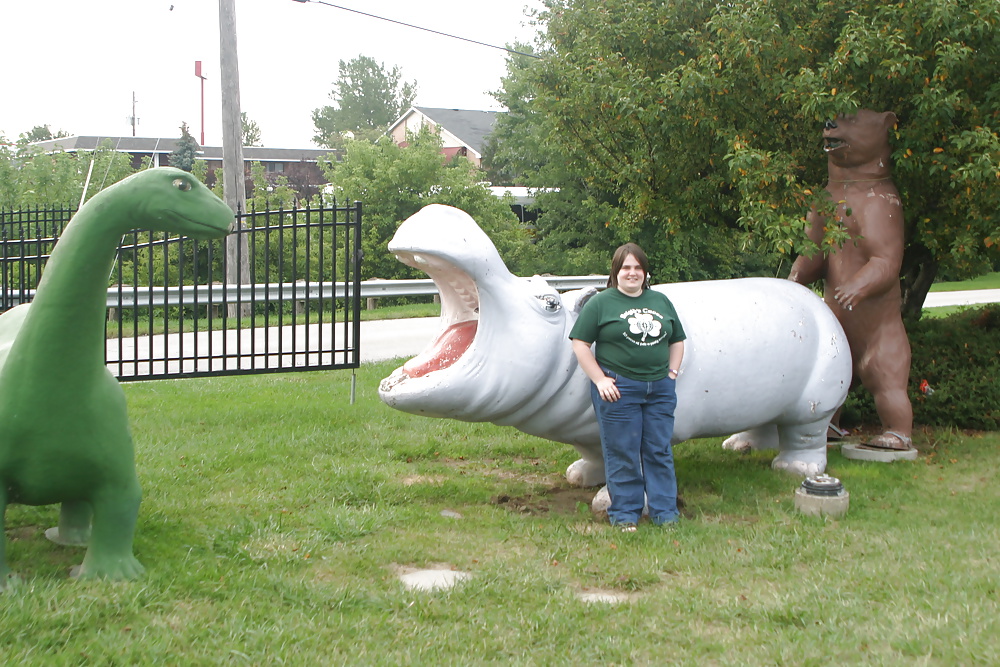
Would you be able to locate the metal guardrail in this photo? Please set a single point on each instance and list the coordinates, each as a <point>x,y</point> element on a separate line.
<point>128,296</point>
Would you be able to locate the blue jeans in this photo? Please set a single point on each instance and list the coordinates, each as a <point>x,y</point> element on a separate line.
<point>638,459</point>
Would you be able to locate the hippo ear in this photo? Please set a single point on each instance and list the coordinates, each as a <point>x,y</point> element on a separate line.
<point>574,300</point>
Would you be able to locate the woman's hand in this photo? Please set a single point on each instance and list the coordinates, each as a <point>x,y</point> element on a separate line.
<point>607,389</point>
<point>605,385</point>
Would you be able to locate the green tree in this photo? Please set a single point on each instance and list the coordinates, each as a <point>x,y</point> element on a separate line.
<point>367,98</point>
<point>184,155</point>
<point>251,131</point>
<point>583,211</point>
<point>40,133</point>
<point>8,174</point>
<point>395,182</point>
<point>30,177</point>
<point>699,123</point>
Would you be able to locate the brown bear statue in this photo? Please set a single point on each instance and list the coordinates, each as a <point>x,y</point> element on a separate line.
<point>862,276</point>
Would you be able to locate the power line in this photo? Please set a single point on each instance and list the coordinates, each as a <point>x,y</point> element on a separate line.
<point>410,25</point>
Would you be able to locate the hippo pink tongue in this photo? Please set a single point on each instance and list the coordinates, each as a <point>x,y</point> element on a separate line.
<point>443,352</point>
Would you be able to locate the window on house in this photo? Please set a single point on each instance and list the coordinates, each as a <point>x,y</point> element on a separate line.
<point>275,167</point>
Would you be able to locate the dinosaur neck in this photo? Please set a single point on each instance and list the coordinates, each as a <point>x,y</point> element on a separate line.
<point>68,312</point>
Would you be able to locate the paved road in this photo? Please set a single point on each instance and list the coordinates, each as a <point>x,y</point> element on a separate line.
<point>388,339</point>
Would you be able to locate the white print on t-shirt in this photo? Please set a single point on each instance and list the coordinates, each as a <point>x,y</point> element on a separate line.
<point>643,322</point>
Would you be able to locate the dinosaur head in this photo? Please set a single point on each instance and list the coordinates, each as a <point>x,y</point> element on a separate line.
<point>169,200</point>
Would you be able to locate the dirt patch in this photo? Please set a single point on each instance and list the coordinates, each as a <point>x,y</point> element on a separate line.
<point>23,533</point>
<point>554,500</point>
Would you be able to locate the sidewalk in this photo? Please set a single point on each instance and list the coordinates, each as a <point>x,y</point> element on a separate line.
<point>962,298</point>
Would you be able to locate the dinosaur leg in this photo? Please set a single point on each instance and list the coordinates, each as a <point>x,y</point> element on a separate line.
<point>74,524</point>
<point>6,576</point>
<point>110,552</point>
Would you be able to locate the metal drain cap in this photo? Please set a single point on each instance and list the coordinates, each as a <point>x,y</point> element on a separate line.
<point>822,485</point>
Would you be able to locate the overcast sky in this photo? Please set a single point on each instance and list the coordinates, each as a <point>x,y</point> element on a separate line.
<point>75,64</point>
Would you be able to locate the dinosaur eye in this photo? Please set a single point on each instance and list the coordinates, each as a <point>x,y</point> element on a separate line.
<point>550,303</point>
<point>181,184</point>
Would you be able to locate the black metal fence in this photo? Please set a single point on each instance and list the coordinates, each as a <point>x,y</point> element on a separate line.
<point>289,301</point>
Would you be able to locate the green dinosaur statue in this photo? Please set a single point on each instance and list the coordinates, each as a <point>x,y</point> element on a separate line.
<point>64,434</point>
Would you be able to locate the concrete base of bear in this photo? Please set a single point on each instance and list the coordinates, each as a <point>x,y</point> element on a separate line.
<point>859,452</point>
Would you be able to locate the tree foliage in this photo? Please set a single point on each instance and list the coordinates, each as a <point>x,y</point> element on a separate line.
<point>699,123</point>
<point>367,98</point>
<point>30,177</point>
<point>394,182</point>
<point>186,152</point>
<point>40,133</point>
<point>250,131</point>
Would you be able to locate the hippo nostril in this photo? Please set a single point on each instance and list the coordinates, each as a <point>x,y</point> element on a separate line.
<point>830,124</point>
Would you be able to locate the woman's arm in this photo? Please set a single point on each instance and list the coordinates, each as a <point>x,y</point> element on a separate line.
<point>585,357</point>
<point>676,357</point>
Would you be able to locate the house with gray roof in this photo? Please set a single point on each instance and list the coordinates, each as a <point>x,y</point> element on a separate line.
<point>462,132</point>
<point>300,166</point>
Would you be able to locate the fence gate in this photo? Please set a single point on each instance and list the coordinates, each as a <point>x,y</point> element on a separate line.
<point>172,313</point>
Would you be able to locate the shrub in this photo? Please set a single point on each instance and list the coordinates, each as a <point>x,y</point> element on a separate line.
<point>959,358</point>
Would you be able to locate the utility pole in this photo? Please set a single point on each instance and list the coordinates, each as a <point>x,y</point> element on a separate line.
<point>234,183</point>
<point>133,120</point>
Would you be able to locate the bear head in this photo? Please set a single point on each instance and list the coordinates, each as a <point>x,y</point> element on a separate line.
<point>858,139</point>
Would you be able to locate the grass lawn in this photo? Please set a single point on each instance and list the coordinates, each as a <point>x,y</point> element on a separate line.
<point>988,281</point>
<point>276,517</point>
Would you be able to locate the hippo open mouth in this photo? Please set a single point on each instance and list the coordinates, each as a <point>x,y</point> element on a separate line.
<point>459,316</point>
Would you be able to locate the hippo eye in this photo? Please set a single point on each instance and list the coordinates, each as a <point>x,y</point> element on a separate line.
<point>550,303</point>
<point>181,184</point>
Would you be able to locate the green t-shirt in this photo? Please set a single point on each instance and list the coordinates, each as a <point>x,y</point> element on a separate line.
<point>633,334</point>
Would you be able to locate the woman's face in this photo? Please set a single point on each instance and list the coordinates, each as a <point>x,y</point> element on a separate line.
<point>631,276</point>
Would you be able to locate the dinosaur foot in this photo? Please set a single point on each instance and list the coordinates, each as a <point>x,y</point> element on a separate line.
<point>124,568</point>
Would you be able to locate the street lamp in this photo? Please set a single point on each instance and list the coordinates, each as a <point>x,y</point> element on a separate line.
<point>197,73</point>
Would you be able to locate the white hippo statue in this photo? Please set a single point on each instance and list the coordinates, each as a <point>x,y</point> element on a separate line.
<point>765,358</point>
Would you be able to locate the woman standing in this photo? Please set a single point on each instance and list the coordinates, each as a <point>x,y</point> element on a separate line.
<point>638,352</point>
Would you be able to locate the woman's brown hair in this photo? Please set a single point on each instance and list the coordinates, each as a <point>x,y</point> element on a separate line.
<point>618,260</point>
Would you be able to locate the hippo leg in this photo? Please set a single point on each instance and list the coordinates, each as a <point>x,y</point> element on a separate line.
<point>762,437</point>
<point>803,448</point>
<point>586,472</point>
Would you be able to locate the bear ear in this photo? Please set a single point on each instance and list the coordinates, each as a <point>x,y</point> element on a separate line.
<point>890,120</point>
